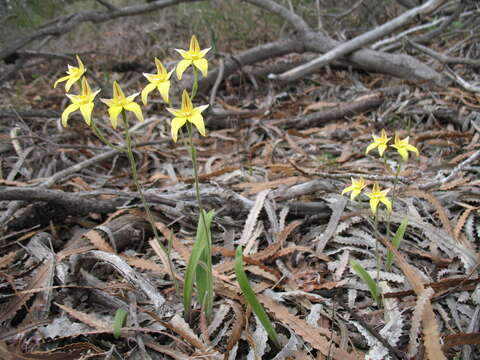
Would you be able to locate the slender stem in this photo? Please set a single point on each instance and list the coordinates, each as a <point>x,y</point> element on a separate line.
<point>150,219</point>
<point>377,252</point>
<point>195,83</point>
<point>97,132</point>
<point>394,196</point>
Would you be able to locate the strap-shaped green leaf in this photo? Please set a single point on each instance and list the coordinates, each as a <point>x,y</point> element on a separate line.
<point>252,298</point>
<point>397,239</point>
<point>118,322</point>
<point>201,243</point>
<point>367,279</point>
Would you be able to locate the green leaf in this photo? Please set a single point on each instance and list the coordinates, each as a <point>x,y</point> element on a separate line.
<point>367,279</point>
<point>118,322</point>
<point>397,239</point>
<point>201,243</point>
<point>252,298</point>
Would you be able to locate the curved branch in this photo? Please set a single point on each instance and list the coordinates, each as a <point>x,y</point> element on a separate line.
<point>358,42</point>
<point>67,23</point>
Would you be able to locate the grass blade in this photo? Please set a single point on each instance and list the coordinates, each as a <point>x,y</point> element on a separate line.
<point>367,279</point>
<point>397,239</point>
<point>252,298</point>
<point>201,243</point>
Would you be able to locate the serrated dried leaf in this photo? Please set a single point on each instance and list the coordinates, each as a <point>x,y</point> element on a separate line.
<point>85,318</point>
<point>310,334</point>
<point>7,259</point>
<point>416,319</point>
<point>97,240</point>
<point>252,217</point>
<point>42,276</point>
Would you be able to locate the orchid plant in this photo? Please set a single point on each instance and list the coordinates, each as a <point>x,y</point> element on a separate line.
<point>378,196</point>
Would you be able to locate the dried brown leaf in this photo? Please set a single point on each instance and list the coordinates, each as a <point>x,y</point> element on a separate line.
<point>96,239</point>
<point>319,338</point>
<point>7,259</point>
<point>42,276</point>
<point>85,318</point>
<point>461,222</point>
<point>460,339</point>
<point>143,264</point>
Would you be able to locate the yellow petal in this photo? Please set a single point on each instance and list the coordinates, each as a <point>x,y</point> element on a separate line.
<point>194,45</point>
<point>181,67</point>
<point>108,102</point>
<point>201,108</point>
<point>187,106</point>
<point>204,52</point>
<point>373,205</point>
<point>386,201</point>
<point>164,88</point>
<point>197,120</point>
<point>136,109</point>
<point>71,80</point>
<point>66,113</point>
<point>114,111</point>
<point>65,78</point>
<point>381,149</point>
<point>175,112</point>
<point>202,65</point>
<point>147,90</point>
<point>132,97</point>
<point>347,189</point>
<point>371,147</point>
<point>177,123</point>
<point>81,67</point>
<point>86,110</point>
<point>183,53</point>
<point>160,68</point>
<point>117,91</point>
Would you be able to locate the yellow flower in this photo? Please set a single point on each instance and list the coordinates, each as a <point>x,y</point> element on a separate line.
<point>379,142</point>
<point>160,81</point>
<point>355,189</point>
<point>119,103</point>
<point>193,56</point>
<point>74,74</point>
<point>187,113</point>
<point>403,147</point>
<point>83,101</point>
<point>379,196</point>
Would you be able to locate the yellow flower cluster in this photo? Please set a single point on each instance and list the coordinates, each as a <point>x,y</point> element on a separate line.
<point>377,195</point>
<point>161,81</point>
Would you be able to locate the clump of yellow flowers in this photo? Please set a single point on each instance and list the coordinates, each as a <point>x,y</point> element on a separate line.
<point>377,195</point>
<point>199,267</point>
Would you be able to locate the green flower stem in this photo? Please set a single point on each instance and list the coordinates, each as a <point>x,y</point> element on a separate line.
<point>377,252</point>
<point>193,154</point>
<point>97,132</point>
<point>394,196</point>
<point>195,83</point>
<point>133,165</point>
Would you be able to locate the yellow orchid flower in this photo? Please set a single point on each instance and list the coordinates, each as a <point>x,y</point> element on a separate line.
<point>355,189</point>
<point>379,196</point>
<point>74,74</point>
<point>193,56</point>
<point>83,101</point>
<point>379,142</point>
<point>403,147</point>
<point>119,103</point>
<point>160,81</point>
<point>187,113</point>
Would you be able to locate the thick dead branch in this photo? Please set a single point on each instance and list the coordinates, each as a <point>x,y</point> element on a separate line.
<point>360,41</point>
<point>67,23</point>
<point>402,66</point>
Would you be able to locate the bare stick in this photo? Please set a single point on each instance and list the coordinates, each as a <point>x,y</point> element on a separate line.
<point>360,41</point>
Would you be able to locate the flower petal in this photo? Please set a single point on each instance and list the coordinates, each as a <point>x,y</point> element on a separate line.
<point>197,120</point>
<point>147,90</point>
<point>86,110</point>
<point>164,88</point>
<point>181,67</point>
<point>374,205</point>
<point>184,53</point>
<point>66,113</point>
<point>114,111</point>
<point>201,108</point>
<point>177,123</point>
<point>386,201</point>
<point>371,147</point>
<point>136,109</point>
<point>64,78</point>
<point>132,97</point>
<point>204,52</point>
<point>71,80</point>
<point>175,112</point>
<point>202,65</point>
